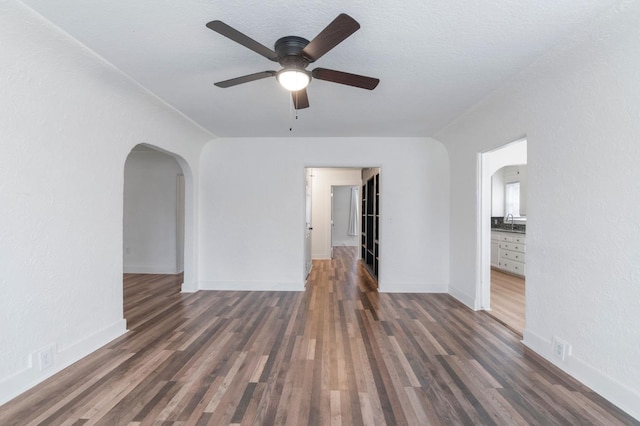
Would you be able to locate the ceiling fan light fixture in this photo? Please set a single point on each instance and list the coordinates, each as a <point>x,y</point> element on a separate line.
<point>293,79</point>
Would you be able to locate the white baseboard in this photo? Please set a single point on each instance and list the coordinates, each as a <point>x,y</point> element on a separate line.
<point>189,287</point>
<point>22,381</point>
<point>150,269</point>
<point>411,287</point>
<point>346,243</point>
<point>609,388</point>
<point>321,256</point>
<point>463,297</point>
<point>251,286</point>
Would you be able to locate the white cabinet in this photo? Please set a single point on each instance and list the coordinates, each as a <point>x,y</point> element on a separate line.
<point>511,252</point>
<point>495,242</point>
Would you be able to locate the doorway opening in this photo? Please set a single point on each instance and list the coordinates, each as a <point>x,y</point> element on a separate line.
<point>337,217</point>
<point>156,226</point>
<point>500,284</point>
<point>345,217</point>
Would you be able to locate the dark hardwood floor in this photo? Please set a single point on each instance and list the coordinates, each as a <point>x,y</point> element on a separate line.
<point>337,353</point>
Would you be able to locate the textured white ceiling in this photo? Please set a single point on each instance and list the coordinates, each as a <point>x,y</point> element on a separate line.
<point>435,58</point>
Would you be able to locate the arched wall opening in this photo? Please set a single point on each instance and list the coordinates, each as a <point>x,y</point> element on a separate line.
<point>158,219</point>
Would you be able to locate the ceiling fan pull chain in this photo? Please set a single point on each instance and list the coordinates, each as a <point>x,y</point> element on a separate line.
<point>290,113</point>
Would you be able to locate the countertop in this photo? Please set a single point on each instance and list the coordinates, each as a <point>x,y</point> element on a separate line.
<point>510,231</point>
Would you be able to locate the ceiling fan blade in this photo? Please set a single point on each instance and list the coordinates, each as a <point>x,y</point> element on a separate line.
<point>300,99</point>
<point>341,77</point>
<point>245,79</point>
<point>334,33</point>
<point>235,35</point>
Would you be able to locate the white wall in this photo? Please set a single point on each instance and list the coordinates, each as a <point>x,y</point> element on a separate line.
<point>323,180</point>
<point>150,213</point>
<point>578,107</point>
<point>68,121</point>
<point>252,223</point>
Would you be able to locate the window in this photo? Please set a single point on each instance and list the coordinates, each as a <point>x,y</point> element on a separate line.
<point>512,199</point>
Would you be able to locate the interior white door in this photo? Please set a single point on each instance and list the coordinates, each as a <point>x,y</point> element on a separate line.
<point>331,225</point>
<point>307,225</point>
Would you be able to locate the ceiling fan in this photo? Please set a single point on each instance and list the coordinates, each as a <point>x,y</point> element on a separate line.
<point>294,54</point>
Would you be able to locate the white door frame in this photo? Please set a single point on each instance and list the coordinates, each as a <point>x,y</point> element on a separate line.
<point>303,195</point>
<point>308,263</point>
<point>331,225</point>
<point>487,164</point>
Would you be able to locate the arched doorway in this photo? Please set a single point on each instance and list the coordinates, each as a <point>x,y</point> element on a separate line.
<point>153,216</point>
<point>158,216</point>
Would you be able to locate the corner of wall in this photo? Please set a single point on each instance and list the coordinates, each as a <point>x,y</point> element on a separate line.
<point>466,299</point>
<point>189,287</point>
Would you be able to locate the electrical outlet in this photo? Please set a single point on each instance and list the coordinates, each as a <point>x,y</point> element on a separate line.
<point>45,358</point>
<point>560,348</point>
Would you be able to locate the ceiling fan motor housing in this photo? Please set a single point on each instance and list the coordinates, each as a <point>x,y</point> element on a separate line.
<point>289,50</point>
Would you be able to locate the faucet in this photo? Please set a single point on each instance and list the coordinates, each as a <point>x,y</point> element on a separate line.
<point>507,219</point>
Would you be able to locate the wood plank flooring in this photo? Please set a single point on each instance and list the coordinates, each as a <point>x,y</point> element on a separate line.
<point>508,300</point>
<point>337,353</point>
